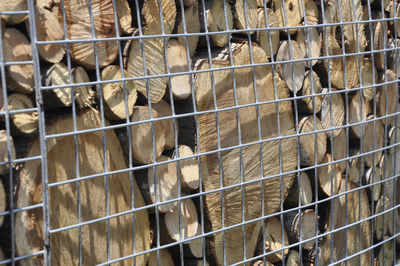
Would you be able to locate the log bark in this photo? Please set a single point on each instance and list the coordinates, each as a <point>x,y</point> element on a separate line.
<point>189,168</point>
<point>142,137</point>
<point>163,185</point>
<point>309,40</point>
<point>164,259</point>
<point>263,36</point>
<point>387,97</point>
<point>192,23</point>
<point>372,140</point>
<point>354,38</point>
<point>182,216</point>
<point>340,146</point>
<point>164,110</point>
<point>329,176</point>
<point>311,87</point>
<point>178,62</point>
<point>359,109</point>
<point>369,78</point>
<point>16,47</point>
<point>230,159</point>
<point>312,146</point>
<point>152,20</point>
<point>345,211</point>
<point>64,198</point>
<point>18,5</point>
<point>239,10</point>
<point>23,123</point>
<point>332,113</point>
<point>306,230</point>
<point>114,94</point>
<point>305,190</point>
<point>4,153</point>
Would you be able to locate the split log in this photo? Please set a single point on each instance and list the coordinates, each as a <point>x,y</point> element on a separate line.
<point>164,259</point>
<point>382,221</point>
<point>340,146</point>
<point>23,123</point>
<point>189,168</point>
<point>57,75</point>
<point>79,27</point>
<point>263,36</point>
<point>182,216</point>
<point>114,94</point>
<point>4,151</point>
<point>64,198</point>
<point>124,16</point>
<point>215,15</point>
<point>306,230</point>
<point>309,41</point>
<point>293,78</point>
<point>166,186</point>
<point>372,140</point>
<point>372,176</point>
<point>16,47</point>
<point>355,38</point>
<point>345,211</point>
<point>273,240</point>
<point>142,137</point>
<point>291,14</point>
<point>369,78</point>
<point>387,95</point>
<point>356,167</point>
<point>359,109</point>
<point>3,201</point>
<point>17,5</point>
<point>329,176</point>
<point>231,160</point>
<point>293,258</point>
<point>378,42</point>
<point>312,146</point>
<point>386,253</point>
<point>303,188</point>
<point>163,109</point>
<point>152,20</point>
<point>239,10</point>
<point>312,87</point>
<point>332,113</point>
<point>192,24</point>
<point>153,50</point>
<point>178,62</point>
<point>195,247</point>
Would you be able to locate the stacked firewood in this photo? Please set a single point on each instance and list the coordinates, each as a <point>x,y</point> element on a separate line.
<point>247,121</point>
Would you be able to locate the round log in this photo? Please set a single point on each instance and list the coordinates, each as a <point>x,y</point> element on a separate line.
<point>332,104</point>
<point>358,112</point>
<point>306,192</point>
<point>264,35</point>
<point>306,229</point>
<point>329,176</point>
<point>192,24</point>
<point>23,123</point>
<point>164,109</point>
<point>152,20</point>
<point>311,87</point>
<point>312,148</point>
<point>189,168</point>
<point>372,140</point>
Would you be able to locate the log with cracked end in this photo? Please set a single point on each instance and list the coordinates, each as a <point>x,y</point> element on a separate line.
<point>119,97</point>
<point>329,176</point>
<point>311,87</point>
<point>263,36</point>
<point>163,109</point>
<point>4,151</point>
<point>189,168</point>
<point>26,122</point>
<point>359,108</point>
<point>304,220</point>
<point>142,137</point>
<point>308,145</point>
<point>332,104</point>
<point>151,15</point>
<point>192,25</point>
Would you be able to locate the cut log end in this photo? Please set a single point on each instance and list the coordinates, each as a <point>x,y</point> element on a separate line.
<point>182,216</point>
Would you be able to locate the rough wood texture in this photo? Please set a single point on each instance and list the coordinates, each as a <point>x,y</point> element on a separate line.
<point>17,5</point>
<point>4,151</point>
<point>293,258</point>
<point>239,11</point>
<point>311,87</point>
<point>79,27</point>
<point>164,258</point>
<point>373,176</point>
<point>358,112</point>
<point>378,42</point>
<point>192,23</point>
<point>142,138</point>
<point>309,41</point>
<point>345,211</point>
<point>124,16</point>
<point>332,113</point>
<point>16,47</point>
<point>394,139</point>
<point>119,97</point>
<point>372,140</point>
<point>151,16</point>
<point>23,123</point>
<point>306,192</point>
<point>312,148</point>
<point>303,223</point>
<point>387,97</point>
<point>230,159</point>
<point>369,78</point>
<point>383,220</point>
<point>386,253</point>
<point>263,36</point>
<point>164,110</point>
<point>63,203</point>
<point>340,146</point>
<point>189,168</point>
<point>356,165</point>
<point>329,176</point>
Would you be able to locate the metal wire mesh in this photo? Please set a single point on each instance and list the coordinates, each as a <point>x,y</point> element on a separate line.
<point>53,234</point>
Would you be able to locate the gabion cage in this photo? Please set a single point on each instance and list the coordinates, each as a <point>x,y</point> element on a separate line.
<point>199,132</point>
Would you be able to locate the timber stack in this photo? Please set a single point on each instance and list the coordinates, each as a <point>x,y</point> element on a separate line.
<point>194,131</point>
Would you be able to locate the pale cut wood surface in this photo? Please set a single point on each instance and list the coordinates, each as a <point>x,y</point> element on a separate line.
<point>332,113</point>
<point>23,123</point>
<point>239,10</point>
<point>386,98</point>
<point>151,15</point>
<point>274,241</point>
<point>189,168</point>
<point>4,151</point>
<point>309,144</point>
<point>192,20</point>
<point>358,112</point>
<point>309,40</point>
<point>329,176</point>
<point>17,5</point>
<point>308,228</point>
<point>263,36</point>
<point>372,140</point>
<point>340,146</point>
<point>163,259</point>
<point>369,78</point>
<point>306,191</point>
<point>311,87</point>
<point>163,109</point>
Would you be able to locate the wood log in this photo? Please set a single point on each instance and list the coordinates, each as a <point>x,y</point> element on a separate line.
<point>372,176</point>
<point>332,113</point>
<point>394,139</point>
<point>387,96</point>
<point>64,198</point>
<point>164,258</point>
<point>4,154</point>
<point>293,78</point>
<point>293,258</point>
<point>291,14</point>
<point>16,47</point>
<point>192,24</point>
<point>18,5</point>
<point>329,176</point>
<point>114,94</point>
<point>181,221</point>
<point>23,123</point>
<point>215,15</point>
<point>164,109</point>
<point>195,247</point>
<point>386,253</point>
<point>340,146</point>
<point>178,62</point>
<point>230,159</point>
<point>356,167</point>
<point>382,221</point>
<point>312,87</point>
<point>369,78</point>
<point>372,140</point>
<point>142,137</point>
<point>124,16</point>
<point>347,209</point>
<point>359,108</point>
<point>153,50</point>
<point>261,263</point>
<point>355,38</point>
<point>312,146</point>
<point>306,230</point>
<point>163,184</point>
<point>305,190</point>
<point>378,42</point>
<point>189,168</point>
<point>152,20</point>
<point>239,10</point>
<point>263,36</point>
<point>309,41</point>
<point>3,201</point>
<point>57,75</point>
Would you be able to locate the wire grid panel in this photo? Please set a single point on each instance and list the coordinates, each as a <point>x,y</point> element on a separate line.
<point>198,132</point>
